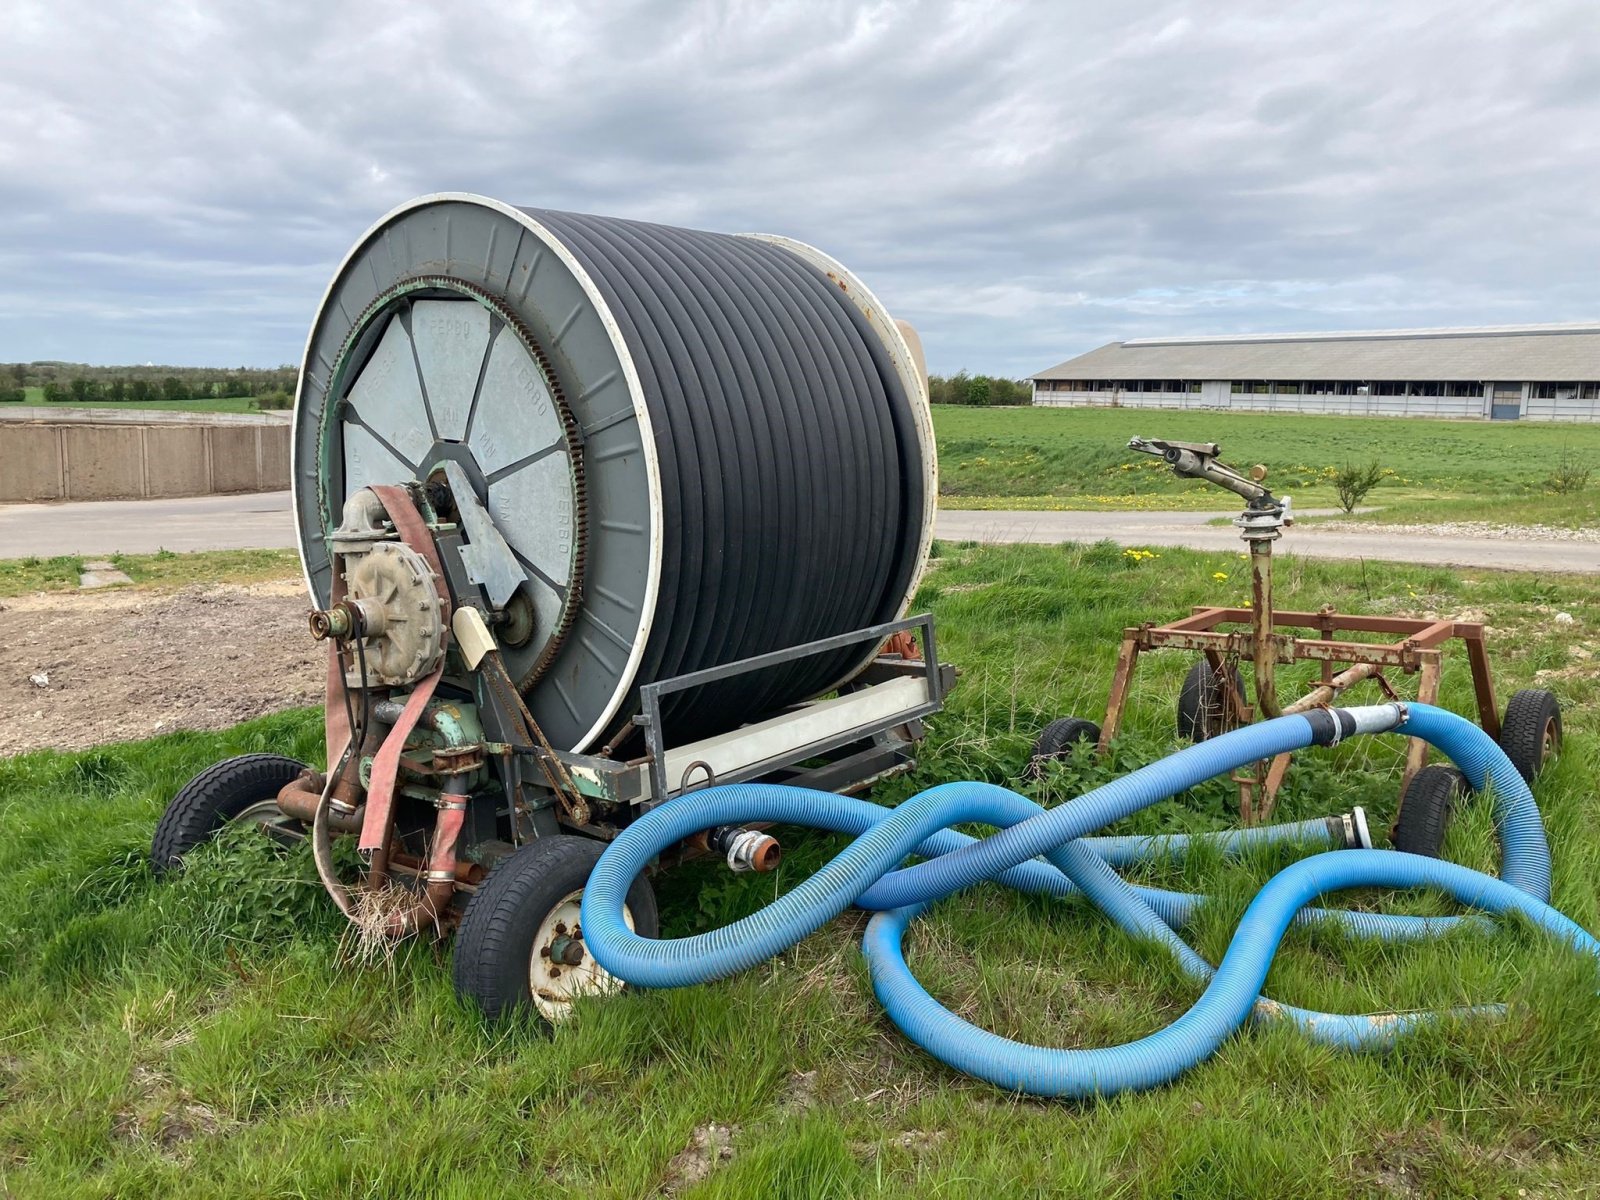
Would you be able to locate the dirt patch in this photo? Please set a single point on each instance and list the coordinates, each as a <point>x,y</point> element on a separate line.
<point>161,1115</point>
<point>709,1147</point>
<point>82,668</point>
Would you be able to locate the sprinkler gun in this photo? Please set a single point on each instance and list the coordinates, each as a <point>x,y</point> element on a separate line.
<point>1263,521</point>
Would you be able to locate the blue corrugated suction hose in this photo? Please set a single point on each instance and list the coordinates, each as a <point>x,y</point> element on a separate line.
<point>869,874</point>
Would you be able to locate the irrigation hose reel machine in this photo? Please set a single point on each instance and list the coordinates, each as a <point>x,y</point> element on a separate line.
<point>611,530</point>
<point>592,512</point>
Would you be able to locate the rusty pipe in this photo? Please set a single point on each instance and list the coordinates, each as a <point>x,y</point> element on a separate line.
<point>1263,644</point>
<point>348,792</point>
<point>468,874</point>
<point>439,876</point>
<point>1324,693</point>
<point>299,799</point>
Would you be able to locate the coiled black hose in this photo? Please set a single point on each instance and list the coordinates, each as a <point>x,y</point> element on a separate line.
<point>791,474</point>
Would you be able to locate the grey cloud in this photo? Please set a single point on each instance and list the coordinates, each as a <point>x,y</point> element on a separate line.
<point>1023,181</point>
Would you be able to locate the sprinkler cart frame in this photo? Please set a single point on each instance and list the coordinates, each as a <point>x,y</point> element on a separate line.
<point>1257,637</point>
<point>1420,652</point>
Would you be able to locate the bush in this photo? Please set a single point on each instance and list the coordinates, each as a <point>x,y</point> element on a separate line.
<point>12,395</point>
<point>274,400</point>
<point>978,390</point>
<point>1352,482</point>
<point>1571,475</point>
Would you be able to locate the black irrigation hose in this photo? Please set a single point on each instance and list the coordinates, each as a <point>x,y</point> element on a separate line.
<point>792,482</point>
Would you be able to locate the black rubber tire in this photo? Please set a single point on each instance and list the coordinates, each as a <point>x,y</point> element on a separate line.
<point>1057,739</point>
<point>495,941</point>
<point>1201,703</point>
<point>213,798</point>
<point>1425,810</point>
<point>1530,734</point>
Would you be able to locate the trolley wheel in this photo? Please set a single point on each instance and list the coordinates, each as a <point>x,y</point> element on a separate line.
<point>236,789</point>
<point>1057,739</point>
<point>1530,734</point>
<point>1203,710</point>
<point>520,945</point>
<point>1425,809</point>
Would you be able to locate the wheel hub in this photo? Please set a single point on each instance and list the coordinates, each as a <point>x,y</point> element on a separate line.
<point>561,969</point>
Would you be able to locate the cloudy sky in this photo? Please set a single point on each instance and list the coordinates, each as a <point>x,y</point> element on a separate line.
<point>1022,181</point>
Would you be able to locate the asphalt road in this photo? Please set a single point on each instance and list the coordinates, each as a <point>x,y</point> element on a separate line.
<point>265,520</point>
<point>249,522</point>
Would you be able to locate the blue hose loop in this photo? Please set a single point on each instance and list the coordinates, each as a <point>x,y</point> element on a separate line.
<point>868,874</point>
<point>1224,1005</point>
<point>1524,852</point>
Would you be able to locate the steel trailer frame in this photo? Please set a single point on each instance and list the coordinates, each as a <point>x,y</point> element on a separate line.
<point>1419,652</point>
<point>875,719</point>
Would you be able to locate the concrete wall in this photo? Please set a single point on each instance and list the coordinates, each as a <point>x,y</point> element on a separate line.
<point>123,460</point>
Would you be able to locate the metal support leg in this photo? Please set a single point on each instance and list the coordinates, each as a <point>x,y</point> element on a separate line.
<point>1482,683</point>
<point>1427,693</point>
<point>1127,657</point>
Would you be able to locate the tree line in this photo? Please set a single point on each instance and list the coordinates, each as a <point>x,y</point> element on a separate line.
<point>77,383</point>
<point>983,390</point>
<point>69,383</point>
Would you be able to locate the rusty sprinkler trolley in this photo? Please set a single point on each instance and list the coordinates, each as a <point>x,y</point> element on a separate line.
<point>1213,700</point>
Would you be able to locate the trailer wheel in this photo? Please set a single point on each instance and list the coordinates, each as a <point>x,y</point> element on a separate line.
<point>1057,739</point>
<point>520,944</point>
<point>236,789</point>
<point>1203,710</point>
<point>1531,732</point>
<point>1425,810</point>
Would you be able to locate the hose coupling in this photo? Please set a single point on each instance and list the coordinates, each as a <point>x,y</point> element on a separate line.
<point>1352,826</point>
<point>748,849</point>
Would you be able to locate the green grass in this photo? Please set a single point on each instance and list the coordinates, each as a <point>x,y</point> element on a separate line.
<point>225,404</point>
<point>1078,458</point>
<point>205,1037</point>
<point>18,576</point>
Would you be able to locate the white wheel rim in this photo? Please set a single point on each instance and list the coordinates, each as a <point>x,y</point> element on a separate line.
<point>265,812</point>
<point>554,985</point>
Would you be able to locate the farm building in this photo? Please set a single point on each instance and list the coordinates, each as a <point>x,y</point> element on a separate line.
<point>1534,372</point>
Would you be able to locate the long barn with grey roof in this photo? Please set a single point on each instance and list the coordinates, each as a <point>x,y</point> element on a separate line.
<point>1534,372</point>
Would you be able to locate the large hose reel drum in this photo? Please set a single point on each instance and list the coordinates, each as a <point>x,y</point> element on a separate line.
<point>699,447</point>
